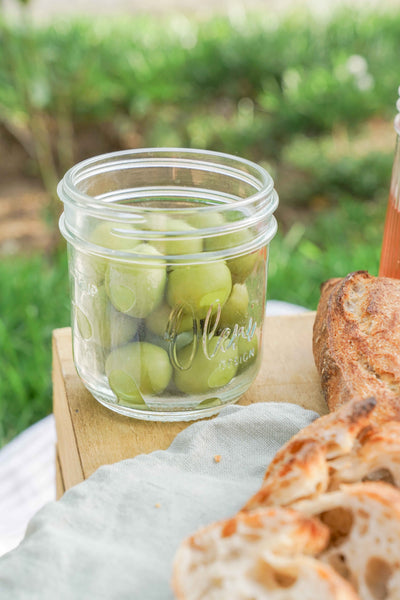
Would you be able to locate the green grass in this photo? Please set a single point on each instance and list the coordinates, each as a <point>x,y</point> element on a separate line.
<point>34,300</point>
<point>250,85</point>
<point>334,243</point>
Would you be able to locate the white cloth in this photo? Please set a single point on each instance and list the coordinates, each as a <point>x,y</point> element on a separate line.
<point>27,468</point>
<point>27,479</point>
<point>114,536</point>
<point>279,307</point>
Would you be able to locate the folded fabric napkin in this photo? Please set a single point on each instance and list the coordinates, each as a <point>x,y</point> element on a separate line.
<point>115,535</point>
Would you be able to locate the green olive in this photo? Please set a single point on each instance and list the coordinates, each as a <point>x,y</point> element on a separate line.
<point>248,352</point>
<point>202,373</point>
<point>209,403</point>
<point>93,267</point>
<point>199,287</point>
<point>235,309</point>
<point>156,340</point>
<point>175,246</point>
<point>240,266</point>
<point>164,319</point>
<point>205,220</point>
<point>106,235</point>
<point>136,370</point>
<point>137,288</point>
<point>88,267</point>
<point>98,321</point>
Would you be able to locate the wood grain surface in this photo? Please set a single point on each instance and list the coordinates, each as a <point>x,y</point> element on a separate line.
<point>89,435</point>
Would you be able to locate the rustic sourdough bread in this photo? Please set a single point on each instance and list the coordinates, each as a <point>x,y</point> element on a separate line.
<point>302,467</point>
<point>375,457</point>
<point>364,521</point>
<point>319,528</point>
<point>265,555</point>
<point>342,447</point>
<point>356,342</point>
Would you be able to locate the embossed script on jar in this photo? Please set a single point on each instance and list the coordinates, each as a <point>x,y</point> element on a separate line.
<point>204,332</point>
<point>84,284</point>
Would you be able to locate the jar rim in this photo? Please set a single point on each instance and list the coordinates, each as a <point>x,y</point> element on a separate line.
<point>136,209</point>
<point>223,162</point>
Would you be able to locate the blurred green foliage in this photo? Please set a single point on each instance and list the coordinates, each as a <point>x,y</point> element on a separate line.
<point>274,91</point>
<point>34,300</point>
<point>333,244</point>
<point>254,84</point>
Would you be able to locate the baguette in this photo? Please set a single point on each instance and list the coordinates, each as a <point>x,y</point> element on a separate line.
<point>356,342</point>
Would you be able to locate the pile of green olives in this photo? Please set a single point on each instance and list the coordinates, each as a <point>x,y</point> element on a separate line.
<point>169,327</point>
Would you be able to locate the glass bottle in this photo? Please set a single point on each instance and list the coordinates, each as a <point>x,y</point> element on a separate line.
<point>390,254</point>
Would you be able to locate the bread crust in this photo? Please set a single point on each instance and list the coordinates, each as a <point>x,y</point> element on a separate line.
<point>356,342</point>
<point>302,468</point>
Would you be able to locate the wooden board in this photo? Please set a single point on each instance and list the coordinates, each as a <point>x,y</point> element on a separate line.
<point>60,486</point>
<point>89,435</point>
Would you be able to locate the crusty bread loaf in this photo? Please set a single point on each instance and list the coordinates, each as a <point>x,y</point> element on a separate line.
<point>375,456</point>
<point>364,520</point>
<point>319,528</point>
<point>356,342</point>
<point>265,555</point>
<point>341,447</point>
<point>266,549</point>
<point>302,467</point>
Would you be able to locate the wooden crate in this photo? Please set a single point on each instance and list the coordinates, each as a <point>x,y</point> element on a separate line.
<point>89,435</point>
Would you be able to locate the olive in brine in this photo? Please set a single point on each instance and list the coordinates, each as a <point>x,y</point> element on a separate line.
<point>210,368</point>
<point>236,309</point>
<point>240,266</point>
<point>136,370</point>
<point>137,288</point>
<point>199,287</point>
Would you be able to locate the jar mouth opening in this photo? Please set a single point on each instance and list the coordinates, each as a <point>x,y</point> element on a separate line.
<point>256,242</point>
<point>78,187</point>
<point>168,197</point>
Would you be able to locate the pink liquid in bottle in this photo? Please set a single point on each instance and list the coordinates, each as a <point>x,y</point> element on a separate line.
<point>390,256</point>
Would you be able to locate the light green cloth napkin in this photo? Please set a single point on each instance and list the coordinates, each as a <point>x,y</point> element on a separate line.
<point>114,536</point>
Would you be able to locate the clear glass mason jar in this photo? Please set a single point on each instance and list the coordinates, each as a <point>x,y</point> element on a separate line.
<point>168,253</point>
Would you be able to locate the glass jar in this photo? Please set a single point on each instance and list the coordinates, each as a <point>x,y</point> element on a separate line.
<point>168,253</point>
